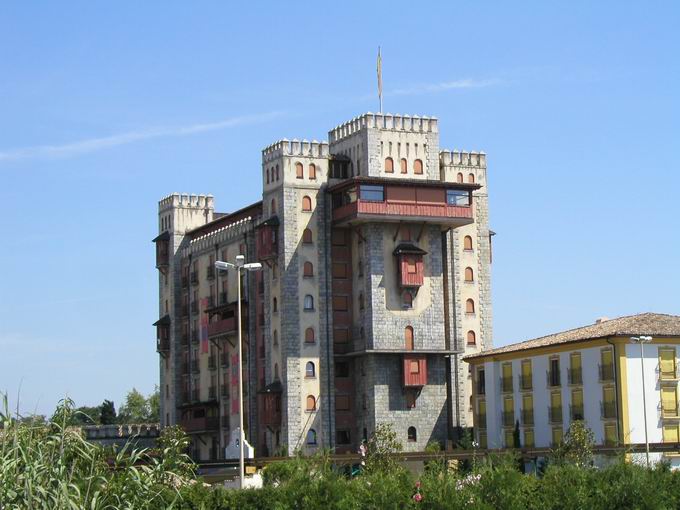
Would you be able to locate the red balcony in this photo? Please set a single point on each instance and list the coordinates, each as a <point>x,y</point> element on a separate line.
<point>204,423</point>
<point>415,370</point>
<point>162,251</point>
<point>222,327</point>
<point>410,265</point>
<point>163,335</point>
<point>266,240</point>
<point>270,405</point>
<point>389,200</point>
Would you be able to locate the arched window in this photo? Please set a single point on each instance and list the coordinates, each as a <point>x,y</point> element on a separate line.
<point>469,274</point>
<point>471,178</point>
<point>309,335</point>
<point>308,269</point>
<point>277,172</point>
<point>459,177</point>
<point>407,299</point>
<point>389,165</point>
<point>267,172</point>
<point>275,338</point>
<point>471,338</point>
<point>309,302</point>
<point>469,306</point>
<point>404,166</point>
<point>272,206</point>
<point>467,243</point>
<point>275,306</point>
<point>311,403</point>
<point>408,338</point>
<point>306,203</point>
<point>361,301</point>
<point>311,437</point>
<point>418,167</point>
<point>276,371</point>
<point>310,371</point>
<point>312,171</point>
<point>412,435</point>
<point>299,171</point>
<point>307,236</point>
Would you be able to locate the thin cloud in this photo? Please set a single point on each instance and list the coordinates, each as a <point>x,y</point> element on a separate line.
<point>96,144</point>
<point>428,88</point>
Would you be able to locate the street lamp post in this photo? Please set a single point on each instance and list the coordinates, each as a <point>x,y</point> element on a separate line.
<point>240,265</point>
<point>642,340</point>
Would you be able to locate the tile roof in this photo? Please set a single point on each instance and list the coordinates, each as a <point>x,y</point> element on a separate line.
<point>652,324</point>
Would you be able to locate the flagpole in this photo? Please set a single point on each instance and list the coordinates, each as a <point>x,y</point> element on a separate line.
<point>379,70</point>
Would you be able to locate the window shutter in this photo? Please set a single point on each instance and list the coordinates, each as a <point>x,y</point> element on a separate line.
<point>670,433</point>
<point>669,401</point>
<point>526,369</point>
<point>667,362</point>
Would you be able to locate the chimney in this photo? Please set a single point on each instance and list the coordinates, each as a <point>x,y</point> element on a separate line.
<point>600,320</point>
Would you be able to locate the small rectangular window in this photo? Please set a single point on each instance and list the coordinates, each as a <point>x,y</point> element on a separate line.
<point>457,197</point>
<point>372,193</point>
<point>342,403</point>
<point>340,303</point>
<point>341,369</point>
<point>411,265</point>
<point>414,367</point>
<point>340,270</point>
<point>340,336</point>
<point>342,437</point>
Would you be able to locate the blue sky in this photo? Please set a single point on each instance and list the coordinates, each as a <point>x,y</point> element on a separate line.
<point>107,107</point>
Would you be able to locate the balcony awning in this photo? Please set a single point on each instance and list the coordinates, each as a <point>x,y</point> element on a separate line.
<point>163,321</point>
<point>392,181</point>
<point>162,237</point>
<point>270,222</point>
<point>408,249</point>
<point>275,387</point>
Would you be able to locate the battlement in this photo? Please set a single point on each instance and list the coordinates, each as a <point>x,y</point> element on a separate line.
<point>185,200</point>
<point>295,147</point>
<point>387,121</point>
<point>462,158</point>
<point>223,234</point>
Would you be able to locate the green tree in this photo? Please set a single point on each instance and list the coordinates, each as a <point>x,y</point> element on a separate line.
<point>86,415</point>
<point>135,409</point>
<point>154,402</point>
<point>381,445</point>
<point>577,447</point>
<point>107,413</point>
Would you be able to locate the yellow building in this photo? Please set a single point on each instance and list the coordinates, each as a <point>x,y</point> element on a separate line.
<point>593,373</point>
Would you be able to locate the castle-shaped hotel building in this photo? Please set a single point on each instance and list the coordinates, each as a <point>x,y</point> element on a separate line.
<point>376,254</point>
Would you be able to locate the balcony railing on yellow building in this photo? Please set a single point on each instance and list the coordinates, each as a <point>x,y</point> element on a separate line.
<point>575,376</point>
<point>555,414</point>
<point>527,417</point>
<point>608,410</point>
<point>576,412</point>
<point>606,372</point>
<point>506,384</point>
<point>553,378</point>
<point>508,418</point>
<point>525,382</point>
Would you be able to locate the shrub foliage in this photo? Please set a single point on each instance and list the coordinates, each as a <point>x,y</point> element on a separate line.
<point>50,465</point>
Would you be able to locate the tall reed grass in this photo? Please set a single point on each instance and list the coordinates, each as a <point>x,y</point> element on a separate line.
<point>51,466</point>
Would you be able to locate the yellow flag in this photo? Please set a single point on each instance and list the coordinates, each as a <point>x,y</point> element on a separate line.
<point>379,70</point>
